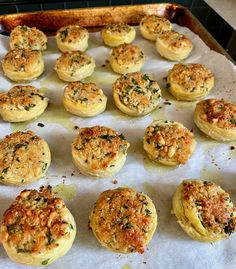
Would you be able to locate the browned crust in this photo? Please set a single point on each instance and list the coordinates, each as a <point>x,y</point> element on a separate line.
<point>34,222</point>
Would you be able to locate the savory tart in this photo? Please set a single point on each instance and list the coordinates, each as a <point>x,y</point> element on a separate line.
<point>84,99</point>
<point>127,58</point>
<point>99,151</point>
<point>136,94</point>
<point>37,228</point>
<point>23,65</point>
<point>152,25</point>
<point>173,46</point>
<point>168,142</point>
<point>123,220</point>
<point>22,103</point>
<point>74,66</point>
<point>72,38</point>
<point>204,210</point>
<point>116,34</point>
<point>24,37</point>
<point>190,82</point>
<point>216,118</point>
<point>24,158</point>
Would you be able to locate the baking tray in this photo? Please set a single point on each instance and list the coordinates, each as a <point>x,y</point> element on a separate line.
<point>95,18</point>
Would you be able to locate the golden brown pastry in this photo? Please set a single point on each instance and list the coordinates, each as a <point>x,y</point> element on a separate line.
<point>99,151</point>
<point>127,58</point>
<point>173,46</point>
<point>24,158</point>
<point>72,37</point>
<point>74,66</point>
<point>84,99</point>
<point>152,25</point>
<point>123,220</point>
<point>37,228</point>
<point>24,37</point>
<point>116,34</point>
<point>23,65</point>
<point>190,82</point>
<point>168,142</point>
<point>22,103</point>
<point>136,94</point>
<point>216,118</point>
<point>204,210</point>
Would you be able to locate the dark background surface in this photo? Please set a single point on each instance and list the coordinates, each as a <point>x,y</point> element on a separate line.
<point>219,29</point>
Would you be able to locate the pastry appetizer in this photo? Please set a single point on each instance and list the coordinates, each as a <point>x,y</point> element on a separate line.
<point>217,119</point>
<point>168,142</point>
<point>22,103</point>
<point>123,220</point>
<point>152,25</point>
<point>127,58</point>
<point>37,228</point>
<point>116,34</point>
<point>84,99</point>
<point>204,210</point>
<point>173,46</point>
<point>74,65</point>
<point>24,37</point>
<point>23,65</point>
<point>190,82</point>
<point>24,158</point>
<point>72,38</point>
<point>99,151</point>
<point>136,94</point>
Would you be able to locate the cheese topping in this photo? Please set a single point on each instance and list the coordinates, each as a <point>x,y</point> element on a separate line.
<point>219,112</point>
<point>118,28</point>
<point>99,147</point>
<point>24,37</point>
<point>21,98</point>
<point>193,77</point>
<point>170,140</point>
<point>213,205</point>
<point>138,92</point>
<point>155,24</point>
<point>34,222</point>
<point>122,219</point>
<point>71,33</point>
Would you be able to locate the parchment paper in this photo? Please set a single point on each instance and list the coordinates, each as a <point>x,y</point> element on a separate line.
<point>170,246</point>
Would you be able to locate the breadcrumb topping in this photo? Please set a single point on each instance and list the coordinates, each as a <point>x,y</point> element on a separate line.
<point>72,33</point>
<point>118,28</point>
<point>99,147</point>
<point>156,24</point>
<point>193,77</point>
<point>219,112</point>
<point>138,92</point>
<point>127,54</point>
<point>122,220</point>
<point>170,140</point>
<point>214,206</point>
<point>34,222</point>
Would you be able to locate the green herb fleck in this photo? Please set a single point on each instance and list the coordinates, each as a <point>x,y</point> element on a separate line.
<point>45,262</point>
<point>107,137</point>
<point>122,137</point>
<point>22,180</point>
<point>146,77</point>
<point>44,167</point>
<point>127,225</point>
<point>64,34</point>
<point>147,212</point>
<point>29,107</point>
<point>71,227</point>
<point>5,170</point>
<point>167,85</point>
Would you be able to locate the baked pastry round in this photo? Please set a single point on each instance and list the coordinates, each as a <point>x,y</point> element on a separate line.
<point>190,82</point>
<point>99,151</point>
<point>24,158</point>
<point>71,38</point>
<point>173,46</point>
<point>37,228</point>
<point>23,65</point>
<point>136,94</point>
<point>152,25</point>
<point>24,37</point>
<point>84,99</point>
<point>123,220</point>
<point>74,65</point>
<point>216,118</point>
<point>204,210</point>
<point>116,34</point>
<point>168,142</point>
<point>22,103</point>
<point>127,58</point>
